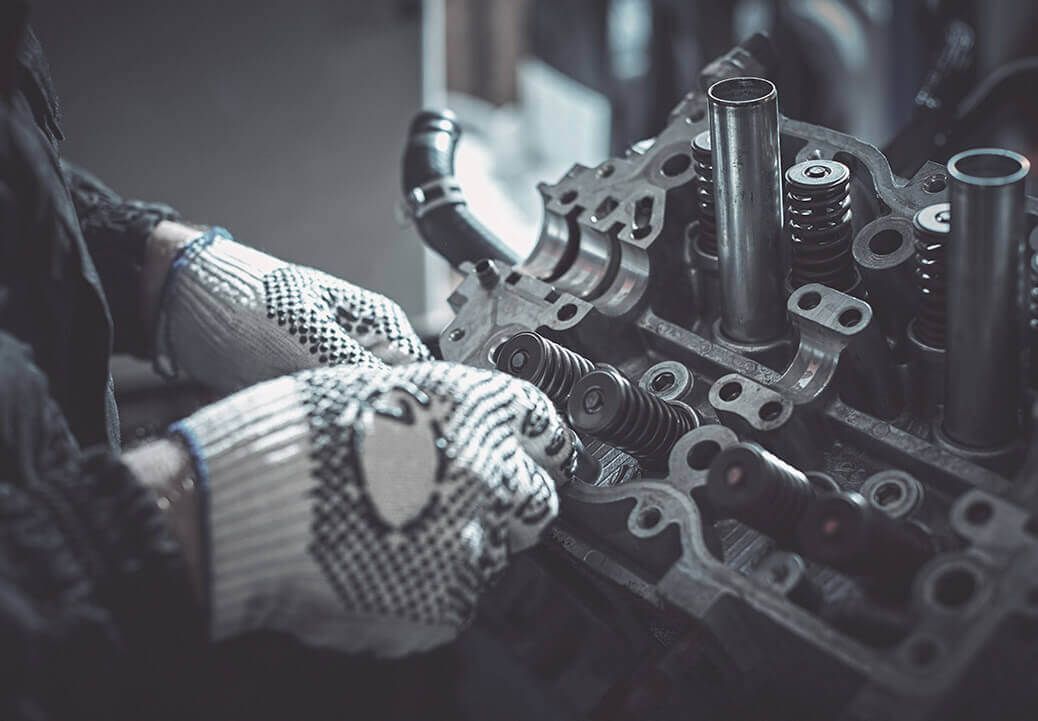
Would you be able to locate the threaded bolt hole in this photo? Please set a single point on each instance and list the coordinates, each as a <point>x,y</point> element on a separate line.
<point>809,300</point>
<point>702,454</point>
<point>954,587</point>
<point>770,411</point>
<point>675,165</point>
<point>649,518</point>
<point>730,391</point>
<point>850,317</point>
<point>663,381</point>
<point>935,183</point>
<point>888,493</point>
<point>566,312</point>
<point>979,512</point>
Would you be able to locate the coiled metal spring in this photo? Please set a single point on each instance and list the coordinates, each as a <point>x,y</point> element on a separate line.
<point>704,167</point>
<point>818,207</point>
<point>932,225</point>
<point>542,362</point>
<point>608,406</point>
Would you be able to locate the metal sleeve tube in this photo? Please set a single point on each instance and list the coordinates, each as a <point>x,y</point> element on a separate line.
<point>744,136</point>
<point>983,383</point>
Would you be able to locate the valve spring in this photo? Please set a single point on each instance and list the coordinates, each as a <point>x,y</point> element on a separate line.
<point>932,225</point>
<point>607,406</point>
<point>544,363</point>
<point>818,206</point>
<point>704,167</point>
<point>749,484</point>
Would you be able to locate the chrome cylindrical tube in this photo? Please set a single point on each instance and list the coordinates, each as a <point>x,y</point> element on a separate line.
<point>983,383</point>
<point>744,136</point>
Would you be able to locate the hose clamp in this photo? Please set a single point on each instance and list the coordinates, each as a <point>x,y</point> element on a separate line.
<point>426,198</point>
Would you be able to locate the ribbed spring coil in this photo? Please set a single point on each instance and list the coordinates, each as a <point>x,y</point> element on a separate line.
<point>608,406</point>
<point>544,363</point>
<point>818,208</point>
<point>761,490</point>
<point>704,167</point>
<point>931,225</point>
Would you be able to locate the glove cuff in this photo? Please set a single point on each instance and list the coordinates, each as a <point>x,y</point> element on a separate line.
<point>212,313</point>
<point>252,451</point>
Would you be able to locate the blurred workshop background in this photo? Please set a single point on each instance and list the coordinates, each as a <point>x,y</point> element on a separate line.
<point>283,120</point>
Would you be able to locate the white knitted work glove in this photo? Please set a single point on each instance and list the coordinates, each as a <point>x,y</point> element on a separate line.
<point>365,509</point>
<point>231,316</point>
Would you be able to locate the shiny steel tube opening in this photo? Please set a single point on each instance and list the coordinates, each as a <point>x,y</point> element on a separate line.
<point>744,139</point>
<point>983,383</point>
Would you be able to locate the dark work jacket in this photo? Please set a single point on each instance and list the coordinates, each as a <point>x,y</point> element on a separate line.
<point>96,618</point>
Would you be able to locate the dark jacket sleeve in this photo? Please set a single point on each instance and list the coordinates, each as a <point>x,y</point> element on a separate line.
<point>116,232</point>
<point>97,620</point>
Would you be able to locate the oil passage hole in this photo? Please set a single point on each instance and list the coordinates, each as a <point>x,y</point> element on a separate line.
<point>850,317</point>
<point>770,411</point>
<point>809,300</point>
<point>935,183</point>
<point>886,242</point>
<point>457,334</point>
<point>606,170</point>
<point>730,391</point>
<point>701,455</point>
<point>568,197</point>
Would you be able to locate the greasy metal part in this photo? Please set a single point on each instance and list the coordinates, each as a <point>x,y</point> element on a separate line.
<point>668,381</point>
<point>756,487</point>
<point>837,335</point>
<point>543,363</point>
<point>844,532</point>
<point>747,192</point>
<point>818,213</point>
<point>704,164</point>
<point>932,225</point>
<point>906,658</point>
<point>607,406</point>
<point>892,491</point>
<point>983,389</point>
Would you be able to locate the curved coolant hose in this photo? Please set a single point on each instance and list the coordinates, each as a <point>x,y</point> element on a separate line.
<point>439,209</point>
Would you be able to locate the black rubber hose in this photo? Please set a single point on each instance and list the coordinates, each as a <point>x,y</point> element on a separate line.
<point>451,230</point>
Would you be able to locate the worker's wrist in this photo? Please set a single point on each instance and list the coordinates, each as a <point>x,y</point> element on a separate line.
<point>165,467</point>
<point>163,246</point>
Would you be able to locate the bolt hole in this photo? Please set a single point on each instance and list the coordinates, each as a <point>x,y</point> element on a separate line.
<point>979,512</point>
<point>888,493</point>
<point>513,278</point>
<point>568,197</point>
<point>702,455</point>
<point>457,334</point>
<point>923,652</point>
<point>675,165</point>
<point>955,587</point>
<point>809,300</point>
<point>642,231</point>
<point>935,183</point>
<point>770,411</point>
<point>566,312</point>
<point>730,391</point>
<point>606,170</point>
<point>663,381</point>
<point>649,518</point>
<point>850,317</point>
<point>886,242</point>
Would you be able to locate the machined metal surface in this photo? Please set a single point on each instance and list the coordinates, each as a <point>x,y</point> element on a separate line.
<point>747,168</point>
<point>940,557</point>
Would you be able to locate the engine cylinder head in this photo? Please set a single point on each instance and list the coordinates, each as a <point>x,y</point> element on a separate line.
<point>818,210</point>
<point>608,406</point>
<point>704,167</point>
<point>932,225</point>
<point>751,485</point>
<point>543,363</point>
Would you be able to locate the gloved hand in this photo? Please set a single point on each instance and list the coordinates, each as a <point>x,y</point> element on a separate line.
<point>231,316</point>
<point>367,508</point>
